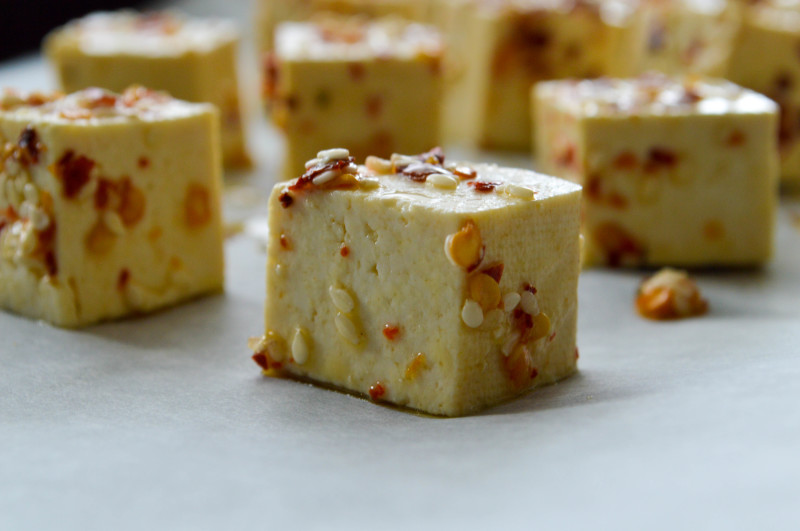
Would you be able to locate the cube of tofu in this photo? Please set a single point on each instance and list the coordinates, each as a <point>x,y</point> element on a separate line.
<point>192,59</point>
<point>502,48</point>
<point>271,13</point>
<point>441,287</point>
<point>687,36</point>
<point>765,59</point>
<point>374,87</point>
<point>675,172</point>
<point>109,205</point>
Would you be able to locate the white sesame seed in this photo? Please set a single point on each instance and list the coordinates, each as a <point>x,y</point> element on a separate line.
<point>529,302</point>
<point>299,347</point>
<point>517,191</point>
<point>325,177</point>
<point>368,183</point>
<point>341,299</point>
<point>311,163</point>
<point>114,222</point>
<point>333,154</point>
<point>39,219</point>
<point>25,210</point>
<point>346,328</point>
<point>472,314</point>
<point>440,180</point>
<point>511,300</point>
<point>31,193</point>
<point>509,345</point>
<point>378,165</point>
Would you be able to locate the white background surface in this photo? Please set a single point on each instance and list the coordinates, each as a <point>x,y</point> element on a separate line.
<point>163,422</point>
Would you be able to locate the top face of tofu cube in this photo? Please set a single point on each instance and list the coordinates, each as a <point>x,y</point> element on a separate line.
<point>425,181</point>
<point>612,12</point>
<point>157,34</point>
<point>94,106</point>
<point>653,95</point>
<point>351,38</point>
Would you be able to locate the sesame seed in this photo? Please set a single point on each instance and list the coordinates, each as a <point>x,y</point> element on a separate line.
<point>333,154</point>
<point>378,165</point>
<point>368,183</point>
<point>31,193</point>
<point>529,302</point>
<point>440,180</point>
<point>39,219</point>
<point>511,300</point>
<point>347,329</point>
<point>299,347</point>
<point>341,299</point>
<point>520,192</point>
<point>472,314</point>
<point>325,177</point>
<point>311,163</point>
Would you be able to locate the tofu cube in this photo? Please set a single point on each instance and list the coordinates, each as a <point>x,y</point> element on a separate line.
<point>503,48</point>
<point>271,13</point>
<point>441,287</point>
<point>192,59</point>
<point>109,205</point>
<point>374,87</point>
<point>675,172</point>
<point>765,59</point>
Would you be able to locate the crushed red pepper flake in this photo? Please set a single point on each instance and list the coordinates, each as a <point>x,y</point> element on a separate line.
<point>286,199</point>
<point>659,157</point>
<point>74,172</point>
<point>376,391</point>
<point>285,244</point>
<point>30,145</point>
<point>344,250</point>
<point>143,162</point>
<point>483,187</point>
<point>626,160</point>
<point>495,271</point>
<point>123,278</point>
<point>261,360</point>
<point>567,156</point>
<point>391,332</point>
<point>736,138</point>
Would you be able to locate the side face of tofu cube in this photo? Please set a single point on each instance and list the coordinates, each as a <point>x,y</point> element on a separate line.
<point>510,49</point>
<point>192,59</point>
<point>271,13</point>
<point>372,100</point>
<point>673,174</point>
<point>775,73</point>
<point>109,205</point>
<point>420,287</point>
<point>688,36</point>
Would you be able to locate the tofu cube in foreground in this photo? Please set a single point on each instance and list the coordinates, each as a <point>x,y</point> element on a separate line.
<point>445,288</point>
<point>675,172</point>
<point>192,59</point>
<point>374,87</point>
<point>109,205</point>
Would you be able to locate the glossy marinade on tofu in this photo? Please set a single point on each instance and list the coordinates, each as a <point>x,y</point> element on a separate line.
<point>109,204</point>
<point>193,59</point>
<point>676,172</point>
<point>441,287</point>
<point>373,86</point>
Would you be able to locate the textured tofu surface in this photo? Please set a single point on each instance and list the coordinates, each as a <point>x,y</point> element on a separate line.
<point>675,172</point>
<point>765,59</point>
<point>510,45</point>
<point>368,287</point>
<point>374,87</point>
<point>109,205</point>
<point>192,59</point>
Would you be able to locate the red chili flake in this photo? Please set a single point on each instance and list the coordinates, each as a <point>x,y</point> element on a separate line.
<point>123,278</point>
<point>534,373</point>
<point>626,161</point>
<point>51,263</point>
<point>74,172</point>
<point>494,271</point>
<point>434,156</point>
<point>618,244</point>
<point>374,106</point>
<point>528,287</point>
<point>285,242</point>
<point>271,75</point>
<point>376,391</point>
<point>483,186</point>
<point>262,360</point>
<point>736,138</point>
<point>465,172</point>
<point>102,195</point>
<point>551,338</point>
<point>286,199</point>
<point>659,157</point>
<point>356,71</point>
<point>98,98</point>
<point>577,353</point>
<point>391,332</point>
<point>566,157</point>
<point>617,200</point>
<point>143,162</point>
<point>344,251</point>
<point>419,171</point>
<point>690,95</point>
<point>305,181</point>
<point>594,188</point>
<point>783,82</point>
<point>30,145</point>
